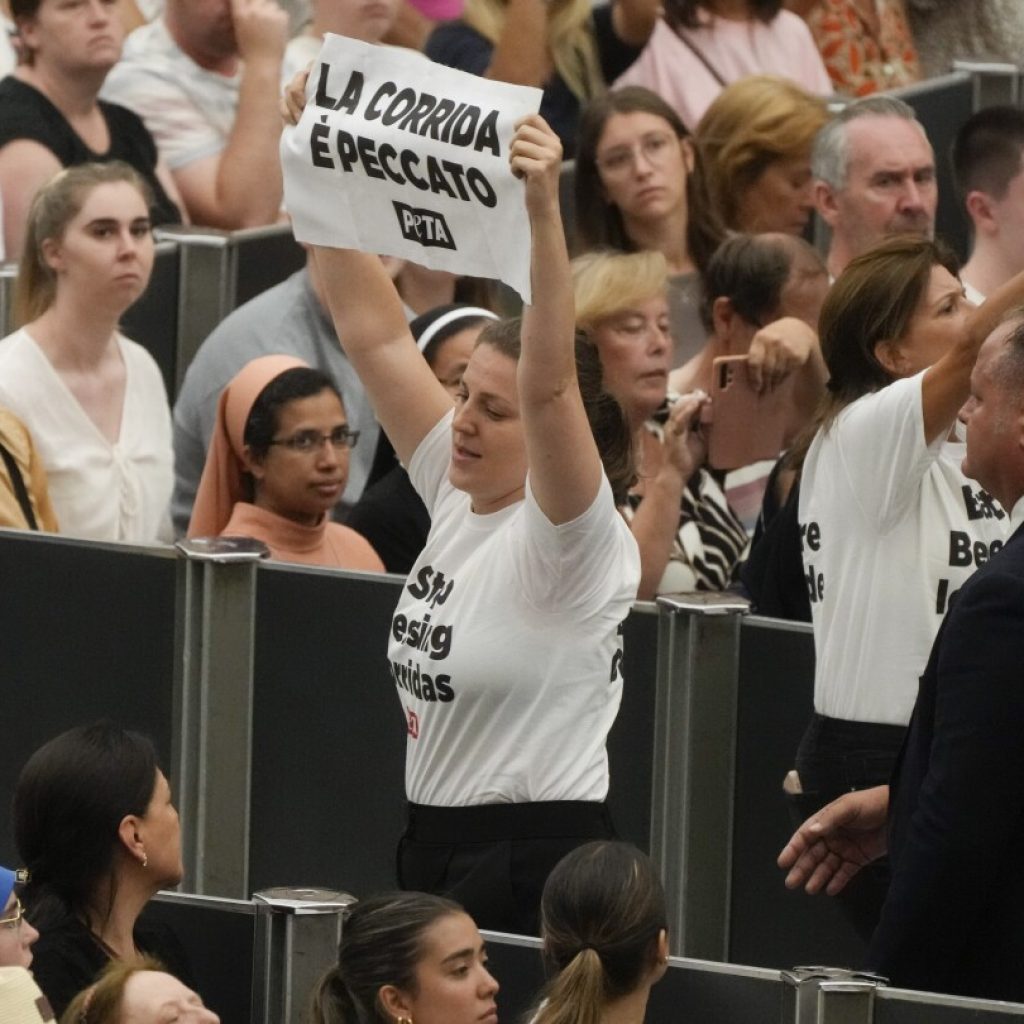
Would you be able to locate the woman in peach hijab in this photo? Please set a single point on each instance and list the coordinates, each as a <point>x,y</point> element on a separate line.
<point>277,464</point>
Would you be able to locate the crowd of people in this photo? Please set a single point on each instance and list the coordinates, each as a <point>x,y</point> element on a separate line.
<point>534,476</point>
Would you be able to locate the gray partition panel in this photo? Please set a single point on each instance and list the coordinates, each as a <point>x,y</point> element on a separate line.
<point>8,273</point>
<point>328,733</point>
<point>89,631</point>
<point>153,320</point>
<point>895,1006</point>
<point>942,105</point>
<point>220,937</point>
<point>771,926</point>
<point>631,741</point>
<point>265,257</point>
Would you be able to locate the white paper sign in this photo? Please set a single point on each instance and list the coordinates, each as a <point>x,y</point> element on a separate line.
<point>400,156</point>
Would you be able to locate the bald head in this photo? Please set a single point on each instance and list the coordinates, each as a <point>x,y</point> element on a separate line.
<point>994,414</point>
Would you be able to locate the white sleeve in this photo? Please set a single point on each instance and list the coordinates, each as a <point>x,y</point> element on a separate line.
<point>428,467</point>
<point>182,132</point>
<point>584,562</point>
<point>881,453</point>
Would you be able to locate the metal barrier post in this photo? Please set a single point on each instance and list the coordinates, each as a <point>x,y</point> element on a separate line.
<point>694,767</point>
<point>212,742</point>
<point>300,942</point>
<point>846,1002</point>
<point>207,286</point>
<point>8,272</point>
<point>828,995</point>
<point>994,84</point>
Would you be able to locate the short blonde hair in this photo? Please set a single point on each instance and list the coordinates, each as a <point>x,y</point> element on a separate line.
<point>751,124</point>
<point>605,283</point>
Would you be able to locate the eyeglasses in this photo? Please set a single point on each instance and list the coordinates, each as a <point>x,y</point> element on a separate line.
<point>13,919</point>
<point>655,147</point>
<point>307,441</point>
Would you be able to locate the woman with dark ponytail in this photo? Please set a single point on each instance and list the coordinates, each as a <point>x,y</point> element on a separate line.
<point>604,927</point>
<point>404,957</point>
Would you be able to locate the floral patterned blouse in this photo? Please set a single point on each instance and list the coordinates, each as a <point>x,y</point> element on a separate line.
<point>864,55</point>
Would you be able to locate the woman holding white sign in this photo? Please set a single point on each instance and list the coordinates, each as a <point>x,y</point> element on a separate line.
<point>505,643</point>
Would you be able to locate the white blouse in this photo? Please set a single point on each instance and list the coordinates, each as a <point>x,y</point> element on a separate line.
<point>100,490</point>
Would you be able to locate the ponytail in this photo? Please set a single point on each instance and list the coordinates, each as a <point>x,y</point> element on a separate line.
<point>576,995</point>
<point>332,1001</point>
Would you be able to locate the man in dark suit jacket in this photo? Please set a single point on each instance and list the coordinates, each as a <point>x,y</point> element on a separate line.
<point>952,818</point>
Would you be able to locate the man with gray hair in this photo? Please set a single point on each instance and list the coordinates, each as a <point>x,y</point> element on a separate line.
<point>875,177</point>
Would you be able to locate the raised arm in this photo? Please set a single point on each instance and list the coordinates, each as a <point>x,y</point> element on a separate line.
<point>521,54</point>
<point>240,186</point>
<point>407,398</point>
<point>946,383</point>
<point>790,346</point>
<point>565,468</point>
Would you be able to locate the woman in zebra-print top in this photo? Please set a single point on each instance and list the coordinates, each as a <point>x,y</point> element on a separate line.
<point>689,534</point>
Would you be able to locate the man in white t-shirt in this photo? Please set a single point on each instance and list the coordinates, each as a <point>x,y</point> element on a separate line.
<point>875,177</point>
<point>205,78</point>
<point>988,161</point>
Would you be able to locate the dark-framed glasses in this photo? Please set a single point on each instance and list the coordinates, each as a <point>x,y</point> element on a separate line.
<point>307,441</point>
<point>12,918</point>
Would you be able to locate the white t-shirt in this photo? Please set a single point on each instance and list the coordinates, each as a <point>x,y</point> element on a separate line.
<point>505,645</point>
<point>8,56</point>
<point>188,110</point>
<point>890,529</point>
<point>99,490</point>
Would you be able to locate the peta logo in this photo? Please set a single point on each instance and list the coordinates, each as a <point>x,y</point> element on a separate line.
<point>423,226</point>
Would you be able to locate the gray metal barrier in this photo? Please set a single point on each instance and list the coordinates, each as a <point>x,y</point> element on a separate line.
<point>257,961</point>
<point>994,84</point>
<point>8,272</point>
<point>88,632</point>
<point>267,690</point>
<point>222,269</point>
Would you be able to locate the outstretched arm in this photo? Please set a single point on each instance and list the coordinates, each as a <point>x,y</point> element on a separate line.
<point>565,468</point>
<point>407,398</point>
<point>828,849</point>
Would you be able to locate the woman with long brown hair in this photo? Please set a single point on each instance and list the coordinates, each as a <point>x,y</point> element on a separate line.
<point>639,185</point>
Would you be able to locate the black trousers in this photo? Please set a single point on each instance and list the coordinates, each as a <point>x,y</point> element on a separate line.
<point>495,858</point>
<point>838,756</point>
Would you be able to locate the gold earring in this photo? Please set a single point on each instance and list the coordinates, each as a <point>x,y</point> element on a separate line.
<point>145,859</point>
<point>405,1020</point>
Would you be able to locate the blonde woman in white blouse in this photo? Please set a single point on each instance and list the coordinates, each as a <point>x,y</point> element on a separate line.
<point>93,400</point>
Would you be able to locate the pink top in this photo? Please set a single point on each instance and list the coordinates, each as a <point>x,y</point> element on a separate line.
<point>328,544</point>
<point>438,10</point>
<point>734,49</point>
